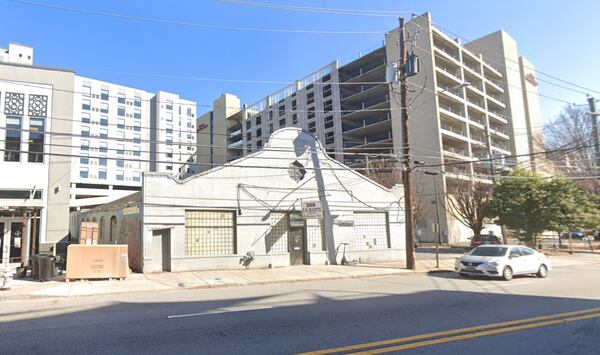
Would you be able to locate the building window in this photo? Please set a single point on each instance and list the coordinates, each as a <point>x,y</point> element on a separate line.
<point>120,175</point>
<point>121,111</point>
<point>328,106</point>
<point>137,126</point>
<point>259,144</point>
<point>136,176</point>
<point>311,113</point>
<point>86,105</point>
<point>137,138</point>
<point>103,148</point>
<point>137,101</point>
<point>137,152</point>
<point>85,160</point>
<point>270,128</point>
<point>257,120</point>
<point>102,174</point>
<point>249,136</point>
<point>120,123</point>
<point>102,161</point>
<point>13,139</point>
<point>169,167</point>
<point>137,113</point>
<point>312,124</point>
<point>277,238</point>
<point>84,173</point>
<point>85,131</point>
<point>104,121</point>
<point>258,132</point>
<point>120,149</point>
<point>121,98</point>
<point>282,110</point>
<point>326,78</point>
<point>294,104</point>
<point>85,117</point>
<point>209,233</point>
<point>169,105</point>
<point>103,133</point>
<point>248,124</point>
<point>169,116</point>
<point>104,107</point>
<point>36,140</point>
<point>312,130</point>
<point>85,144</point>
<point>295,119</point>
<point>327,90</point>
<point>120,163</point>
<point>329,140</point>
<point>270,115</point>
<point>104,94</point>
<point>87,91</point>
<point>169,129</point>
<point>371,230</point>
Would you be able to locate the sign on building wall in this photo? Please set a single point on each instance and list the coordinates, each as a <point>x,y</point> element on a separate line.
<point>312,209</point>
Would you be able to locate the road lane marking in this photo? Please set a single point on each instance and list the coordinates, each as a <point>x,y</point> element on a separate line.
<point>478,334</point>
<point>220,311</point>
<point>448,332</point>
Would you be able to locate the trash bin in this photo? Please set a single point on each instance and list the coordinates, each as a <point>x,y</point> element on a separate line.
<point>46,267</point>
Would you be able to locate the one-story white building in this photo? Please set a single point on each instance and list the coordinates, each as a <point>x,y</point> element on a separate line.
<point>254,206</point>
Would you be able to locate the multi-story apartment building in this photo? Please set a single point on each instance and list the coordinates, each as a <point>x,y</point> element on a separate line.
<point>17,54</point>
<point>120,132</point>
<point>468,102</point>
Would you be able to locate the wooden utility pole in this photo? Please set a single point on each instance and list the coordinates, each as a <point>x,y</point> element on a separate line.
<point>406,167</point>
<point>595,139</point>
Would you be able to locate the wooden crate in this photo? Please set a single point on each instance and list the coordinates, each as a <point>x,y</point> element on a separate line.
<point>96,262</point>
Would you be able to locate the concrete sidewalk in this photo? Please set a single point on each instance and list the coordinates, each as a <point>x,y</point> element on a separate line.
<point>29,289</point>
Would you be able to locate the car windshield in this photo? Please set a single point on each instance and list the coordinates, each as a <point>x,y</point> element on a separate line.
<point>488,251</point>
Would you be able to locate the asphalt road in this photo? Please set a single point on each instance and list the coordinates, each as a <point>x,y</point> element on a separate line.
<point>301,317</point>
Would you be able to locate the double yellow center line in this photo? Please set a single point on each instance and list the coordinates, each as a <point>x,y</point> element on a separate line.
<point>417,341</point>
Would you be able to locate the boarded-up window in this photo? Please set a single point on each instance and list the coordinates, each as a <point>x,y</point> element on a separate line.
<point>209,233</point>
<point>314,234</point>
<point>371,230</point>
<point>277,238</point>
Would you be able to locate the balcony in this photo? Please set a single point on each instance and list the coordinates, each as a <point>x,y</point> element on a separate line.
<point>453,74</point>
<point>497,116</point>
<point>454,132</point>
<point>370,72</point>
<point>493,86</point>
<point>496,100</point>
<point>455,151</point>
<point>491,72</point>
<point>446,52</point>
<point>364,91</point>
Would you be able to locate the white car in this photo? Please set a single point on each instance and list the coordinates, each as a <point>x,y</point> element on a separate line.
<point>503,261</point>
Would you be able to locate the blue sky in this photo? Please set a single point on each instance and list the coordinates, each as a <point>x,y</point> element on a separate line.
<point>558,37</point>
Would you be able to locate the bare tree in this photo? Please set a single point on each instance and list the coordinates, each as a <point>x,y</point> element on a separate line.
<point>470,205</point>
<point>573,128</point>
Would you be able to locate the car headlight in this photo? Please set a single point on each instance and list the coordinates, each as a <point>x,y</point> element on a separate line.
<point>491,265</point>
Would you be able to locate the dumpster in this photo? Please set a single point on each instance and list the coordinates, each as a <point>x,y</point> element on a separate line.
<point>46,268</point>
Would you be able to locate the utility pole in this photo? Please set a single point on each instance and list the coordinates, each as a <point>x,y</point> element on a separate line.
<point>406,168</point>
<point>594,117</point>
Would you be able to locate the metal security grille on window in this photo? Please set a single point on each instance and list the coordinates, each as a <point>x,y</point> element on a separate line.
<point>315,235</point>
<point>14,103</point>
<point>277,238</point>
<point>209,233</point>
<point>370,230</point>
<point>38,105</point>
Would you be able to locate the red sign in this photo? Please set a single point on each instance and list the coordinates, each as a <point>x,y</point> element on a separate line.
<point>531,78</point>
<point>201,127</point>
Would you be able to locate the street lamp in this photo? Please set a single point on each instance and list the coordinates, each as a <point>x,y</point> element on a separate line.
<point>437,214</point>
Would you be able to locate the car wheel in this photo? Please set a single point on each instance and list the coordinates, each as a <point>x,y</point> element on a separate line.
<point>507,273</point>
<point>542,271</point>
<point>462,274</point>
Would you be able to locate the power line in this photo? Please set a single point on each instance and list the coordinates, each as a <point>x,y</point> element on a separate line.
<point>325,10</point>
<point>188,24</point>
